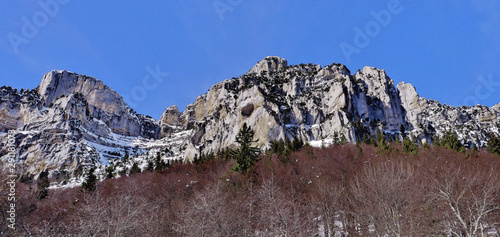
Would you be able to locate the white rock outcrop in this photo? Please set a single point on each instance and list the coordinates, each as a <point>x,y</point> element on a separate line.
<point>72,121</point>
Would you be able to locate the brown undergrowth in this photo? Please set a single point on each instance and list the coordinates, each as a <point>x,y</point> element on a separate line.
<point>342,189</point>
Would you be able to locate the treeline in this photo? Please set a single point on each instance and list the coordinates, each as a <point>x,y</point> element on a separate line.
<point>355,190</point>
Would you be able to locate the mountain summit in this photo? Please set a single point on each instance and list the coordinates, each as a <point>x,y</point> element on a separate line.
<point>73,121</point>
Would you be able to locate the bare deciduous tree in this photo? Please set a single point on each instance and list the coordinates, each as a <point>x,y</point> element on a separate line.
<point>210,213</point>
<point>124,214</point>
<point>280,215</point>
<point>384,194</point>
<point>327,195</point>
<point>470,199</point>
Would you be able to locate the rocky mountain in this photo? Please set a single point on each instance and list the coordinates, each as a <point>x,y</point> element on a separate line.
<point>70,121</point>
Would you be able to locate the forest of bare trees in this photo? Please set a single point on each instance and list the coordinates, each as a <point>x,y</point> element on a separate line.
<point>345,190</point>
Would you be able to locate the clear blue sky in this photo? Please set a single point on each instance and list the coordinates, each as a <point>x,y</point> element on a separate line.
<point>441,47</point>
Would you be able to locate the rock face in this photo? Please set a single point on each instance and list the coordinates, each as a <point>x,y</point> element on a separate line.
<point>103,102</point>
<point>73,121</point>
<point>16,107</point>
<point>69,121</point>
<point>314,103</point>
<point>270,63</point>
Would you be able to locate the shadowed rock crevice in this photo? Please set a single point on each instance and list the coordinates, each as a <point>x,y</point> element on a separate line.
<point>247,110</point>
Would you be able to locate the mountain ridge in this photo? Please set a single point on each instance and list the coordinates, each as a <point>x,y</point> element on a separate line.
<point>73,121</point>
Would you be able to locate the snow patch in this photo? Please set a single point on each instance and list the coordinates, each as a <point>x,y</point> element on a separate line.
<point>321,143</point>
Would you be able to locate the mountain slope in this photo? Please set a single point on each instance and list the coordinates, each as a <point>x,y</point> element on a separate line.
<point>71,122</point>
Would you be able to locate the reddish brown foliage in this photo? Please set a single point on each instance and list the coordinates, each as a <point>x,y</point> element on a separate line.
<point>330,190</point>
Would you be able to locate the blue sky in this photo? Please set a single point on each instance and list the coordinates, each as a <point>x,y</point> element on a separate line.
<point>449,50</point>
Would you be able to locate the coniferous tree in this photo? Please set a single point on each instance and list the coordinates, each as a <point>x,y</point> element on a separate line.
<point>373,141</point>
<point>126,157</point>
<point>43,185</point>
<point>381,141</point>
<point>367,139</point>
<point>159,163</point>
<point>246,155</point>
<point>135,168</point>
<point>288,147</point>
<point>402,130</point>
<point>436,141</point>
<point>343,140</point>
<point>336,139</point>
<point>90,181</point>
<point>494,144</point>
<point>359,149</point>
<point>450,141</point>
<point>409,146</point>
<point>297,144</point>
<point>278,147</point>
<point>150,166</point>
<point>109,172</point>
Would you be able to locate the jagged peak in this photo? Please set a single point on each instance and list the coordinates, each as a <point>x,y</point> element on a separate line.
<point>62,71</point>
<point>405,84</point>
<point>269,63</point>
<point>64,75</point>
<point>407,90</point>
<point>334,67</point>
<point>55,78</point>
<point>375,72</point>
<point>170,116</point>
<point>496,106</point>
<point>62,82</point>
<point>172,108</point>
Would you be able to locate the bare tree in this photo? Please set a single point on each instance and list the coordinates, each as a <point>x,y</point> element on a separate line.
<point>470,200</point>
<point>209,214</point>
<point>326,196</point>
<point>384,194</point>
<point>280,215</point>
<point>124,213</point>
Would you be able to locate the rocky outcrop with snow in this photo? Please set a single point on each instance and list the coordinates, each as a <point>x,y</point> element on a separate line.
<point>102,102</point>
<point>72,120</point>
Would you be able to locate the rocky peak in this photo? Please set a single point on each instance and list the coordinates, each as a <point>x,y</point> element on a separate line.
<point>408,94</point>
<point>269,63</point>
<point>56,83</point>
<point>334,69</point>
<point>410,102</point>
<point>374,76</point>
<point>61,82</point>
<point>102,102</point>
<point>496,107</point>
<point>170,116</point>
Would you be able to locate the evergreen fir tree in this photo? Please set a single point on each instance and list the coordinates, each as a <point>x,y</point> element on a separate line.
<point>336,139</point>
<point>297,144</point>
<point>90,181</point>
<point>246,155</point>
<point>358,147</point>
<point>43,185</point>
<point>381,142</point>
<point>150,166</point>
<point>494,144</point>
<point>343,140</point>
<point>135,168</point>
<point>159,163</point>
<point>109,172</point>
<point>126,157</point>
<point>450,141</point>
<point>436,141</point>
<point>402,130</point>
<point>367,139</point>
<point>409,146</point>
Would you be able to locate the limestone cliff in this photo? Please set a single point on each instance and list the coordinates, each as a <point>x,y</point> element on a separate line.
<point>73,121</point>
